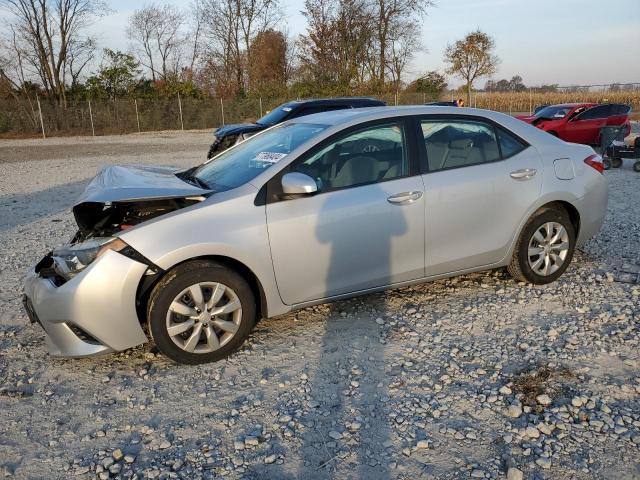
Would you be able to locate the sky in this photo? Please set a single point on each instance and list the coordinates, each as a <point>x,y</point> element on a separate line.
<point>567,42</point>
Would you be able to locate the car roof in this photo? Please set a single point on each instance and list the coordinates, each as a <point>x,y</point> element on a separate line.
<point>573,105</point>
<point>339,119</point>
<point>337,100</point>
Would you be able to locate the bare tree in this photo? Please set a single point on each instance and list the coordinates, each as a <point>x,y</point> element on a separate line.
<point>336,43</point>
<point>472,58</point>
<point>195,33</point>
<point>230,27</point>
<point>46,32</point>
<point>80,54</point>
<point>390,16</point>
<point>156,32</point>
<point>404,40</point>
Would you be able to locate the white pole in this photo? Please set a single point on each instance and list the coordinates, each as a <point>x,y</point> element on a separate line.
<point>530,102</point>
<point>261,106</point>
<point>222,110</point>
<point>40,112</point>
<point>137,117</point>
<point>93,131</point>
<point>180,108</point>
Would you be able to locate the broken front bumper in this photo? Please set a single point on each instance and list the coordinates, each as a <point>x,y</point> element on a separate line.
<point>94,312</point>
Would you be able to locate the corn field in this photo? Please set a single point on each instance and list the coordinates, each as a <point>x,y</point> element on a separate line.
<point>40,117</point>
<point>512,102</point>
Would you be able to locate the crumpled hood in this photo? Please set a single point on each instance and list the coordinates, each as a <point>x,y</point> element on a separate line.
<point>237,129</point>
<point>137,182</point>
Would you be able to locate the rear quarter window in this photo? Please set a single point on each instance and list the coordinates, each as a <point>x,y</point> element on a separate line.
<point>509,144</point>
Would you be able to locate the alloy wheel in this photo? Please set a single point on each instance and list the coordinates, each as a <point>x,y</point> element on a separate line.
<point>548,248</point>
<point>204,317</point>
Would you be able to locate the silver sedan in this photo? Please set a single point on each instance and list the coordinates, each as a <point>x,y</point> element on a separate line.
<point>310,211</point>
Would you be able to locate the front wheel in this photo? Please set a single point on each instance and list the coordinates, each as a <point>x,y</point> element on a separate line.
<point>545,247</point>
<point>616,162</point>
<point>636,166</point>
<point>200,312</point>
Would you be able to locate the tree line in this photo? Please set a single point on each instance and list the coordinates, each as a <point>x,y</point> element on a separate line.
<point>231,49</point>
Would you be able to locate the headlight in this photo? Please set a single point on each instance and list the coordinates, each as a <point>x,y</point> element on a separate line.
<point>75,258</point>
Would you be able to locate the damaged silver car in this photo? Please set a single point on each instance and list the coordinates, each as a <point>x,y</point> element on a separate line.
<point>313,210</point>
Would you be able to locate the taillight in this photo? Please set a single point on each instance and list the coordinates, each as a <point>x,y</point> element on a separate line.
<point>595,161</point>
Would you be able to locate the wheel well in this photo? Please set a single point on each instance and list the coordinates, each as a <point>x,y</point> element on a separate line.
<point>147,284</point>
<point>573,213</point>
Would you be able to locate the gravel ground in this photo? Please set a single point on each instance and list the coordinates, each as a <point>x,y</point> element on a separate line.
<point>476,376</point>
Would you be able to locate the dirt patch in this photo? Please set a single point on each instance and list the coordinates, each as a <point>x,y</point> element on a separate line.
<point>555,382</point>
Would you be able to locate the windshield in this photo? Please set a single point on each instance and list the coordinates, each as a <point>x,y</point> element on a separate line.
<point>247,160</point>
<point>276,115</point>
<point>553,112</point>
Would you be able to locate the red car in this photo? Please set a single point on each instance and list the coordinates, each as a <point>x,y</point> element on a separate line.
<point>580,122</point>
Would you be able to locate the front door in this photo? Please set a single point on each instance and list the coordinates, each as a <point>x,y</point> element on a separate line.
<point>481,182</point>
<point>365,226</point>
<point>585,127</point>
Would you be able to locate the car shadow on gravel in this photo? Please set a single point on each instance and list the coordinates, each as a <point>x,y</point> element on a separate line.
<point>24,208</point>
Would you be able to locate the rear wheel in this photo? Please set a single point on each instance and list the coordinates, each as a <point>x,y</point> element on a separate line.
<point>200,312</point>
<point>545,247</point>
<point>607,163</point>
<point>636,166</point>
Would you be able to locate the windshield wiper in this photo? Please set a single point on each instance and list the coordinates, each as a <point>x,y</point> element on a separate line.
<point>189,177</point>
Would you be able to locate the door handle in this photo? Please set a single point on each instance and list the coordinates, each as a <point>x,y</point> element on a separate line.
<point>523,174</point>
<point>404,198</point>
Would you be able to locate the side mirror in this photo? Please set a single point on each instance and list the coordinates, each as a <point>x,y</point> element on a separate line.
<point>296,183</point>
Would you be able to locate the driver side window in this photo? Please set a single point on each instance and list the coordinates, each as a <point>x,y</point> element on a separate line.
<point>373,154</point>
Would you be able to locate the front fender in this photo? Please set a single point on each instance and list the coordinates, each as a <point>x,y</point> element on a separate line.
<point>229,225</point>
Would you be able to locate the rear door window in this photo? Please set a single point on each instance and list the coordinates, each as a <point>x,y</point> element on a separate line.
<point>331,108</point>
<point>458,143</point>
<point>595,113</point>
<point>304,111</point>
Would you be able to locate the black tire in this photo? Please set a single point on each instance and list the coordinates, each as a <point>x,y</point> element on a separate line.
<point>616,162</point>
<point>636,167</point>
<point>519,267</point>
<point>607,163</point>
<point>181,278</point>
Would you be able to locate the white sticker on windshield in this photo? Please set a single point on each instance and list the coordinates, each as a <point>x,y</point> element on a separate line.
<point>271,157</point>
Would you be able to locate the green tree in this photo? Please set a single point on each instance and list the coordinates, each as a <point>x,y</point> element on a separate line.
<point>471,58</point>
<point>431,83</point>
<point>117,77</point>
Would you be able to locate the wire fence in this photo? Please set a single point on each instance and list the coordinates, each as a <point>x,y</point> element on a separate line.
<point>28,117</point>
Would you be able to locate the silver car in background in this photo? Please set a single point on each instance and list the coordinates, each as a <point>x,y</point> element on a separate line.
<point>317,209</point>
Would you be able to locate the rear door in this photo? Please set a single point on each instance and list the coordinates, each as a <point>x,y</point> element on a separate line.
<point>618,115</point>
<point>480,181</point>
<point>585,127</point>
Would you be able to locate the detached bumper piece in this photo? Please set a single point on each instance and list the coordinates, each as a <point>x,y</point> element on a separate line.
<point>92,313</point>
